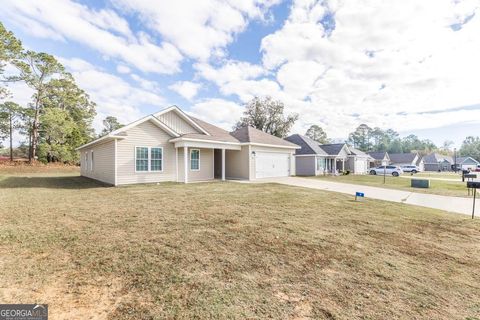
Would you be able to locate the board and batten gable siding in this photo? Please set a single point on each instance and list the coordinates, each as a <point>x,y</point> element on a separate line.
<point>206,166</point>
<point>270,149</point>
<point>237,163</point>
<point>305,165</point>
<point>173,121</point>
<point>146,134</point>
<point>103,162</point>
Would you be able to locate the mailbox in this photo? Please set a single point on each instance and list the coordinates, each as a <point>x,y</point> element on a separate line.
<point>473,184</point>
<point>470,176</point>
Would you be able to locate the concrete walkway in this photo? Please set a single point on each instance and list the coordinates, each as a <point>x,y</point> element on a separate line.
<point>451,204</point>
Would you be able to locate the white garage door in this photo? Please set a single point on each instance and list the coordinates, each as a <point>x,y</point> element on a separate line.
<point>360,166</point>
<point>270,164</point>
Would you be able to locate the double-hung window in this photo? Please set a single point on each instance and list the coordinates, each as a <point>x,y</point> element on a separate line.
<point>156,159</point>
<point>194,159</point>
<point>141,159</point>
<point>148,159</point>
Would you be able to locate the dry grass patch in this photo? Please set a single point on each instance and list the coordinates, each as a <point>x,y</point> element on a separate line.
<point>229,250</point>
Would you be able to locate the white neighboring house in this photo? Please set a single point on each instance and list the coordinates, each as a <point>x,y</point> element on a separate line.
<point>467,163</point>
<point>173,146</point>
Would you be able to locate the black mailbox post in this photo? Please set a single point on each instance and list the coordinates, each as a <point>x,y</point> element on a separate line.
<point>473,185</point>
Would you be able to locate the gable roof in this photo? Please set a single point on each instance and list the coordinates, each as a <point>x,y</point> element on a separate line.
<point>379,155</point>
<point>357,152</point>
<point>333,149</point>
<point>436,158</point>
<point>255,136</point>
<point>402,157</point>
<point>308,146</point>
<point>120,133</point>
<point>461,160</point>
<point>182,115</point>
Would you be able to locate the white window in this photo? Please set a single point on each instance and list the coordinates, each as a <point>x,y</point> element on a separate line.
<point>148,159</point>
<point>86,161</point>
<point>92,163</point>
<point>141,159</point>
<point>321,163</point>
<point>194,159</point>
<point>156,157</point>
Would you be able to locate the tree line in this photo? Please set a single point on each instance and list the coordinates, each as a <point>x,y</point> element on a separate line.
<point>268,115</point>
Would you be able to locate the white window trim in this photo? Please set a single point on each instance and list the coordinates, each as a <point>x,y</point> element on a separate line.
<point>91,160</point>
<point>190,158</point>
<point>149,159</point>
<point>86,161</point>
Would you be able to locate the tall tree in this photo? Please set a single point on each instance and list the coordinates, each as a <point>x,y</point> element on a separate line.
<point>10,48</point>
<point>317,133</point>
<point>267,115</point>
<point>360,138</point>
<point>10,115</point>
<point>110,124</point>
<point>471,147</point>
<point>37,70</point>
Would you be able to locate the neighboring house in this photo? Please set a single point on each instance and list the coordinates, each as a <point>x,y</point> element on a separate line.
<point>379,159</point>
<point>437,162</point>
<point>173,146</point>
<point>465,163</point>
<point>407,159</point>
<point>310,159</point>
<point>315,159</point>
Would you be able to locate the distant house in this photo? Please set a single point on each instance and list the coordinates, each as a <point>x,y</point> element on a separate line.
<point>437,162</point>
<point>465,163</point>
<point>379,158</point>
<point>315,159</point>
<point>407,159</point>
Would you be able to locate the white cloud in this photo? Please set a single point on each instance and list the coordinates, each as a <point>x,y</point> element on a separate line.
<point>101,30</point>
<point>199,29</point>
<point>229,71</point>
<point>123,69</point>
<point>186,89</point>
<point>223,113</point>
<point>113,95</point>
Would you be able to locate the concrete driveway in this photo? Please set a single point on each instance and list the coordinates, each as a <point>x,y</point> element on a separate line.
<point>451,204</point>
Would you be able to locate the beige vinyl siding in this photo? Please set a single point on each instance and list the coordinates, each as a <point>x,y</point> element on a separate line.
<point>146,134</point>
<point>103,164</point>
<point>270,149</point>
<point>206,166</point>
<point>237,163</point>
<point>175,122</point>
<point>305,165</point>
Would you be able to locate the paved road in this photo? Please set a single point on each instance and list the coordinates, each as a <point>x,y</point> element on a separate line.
<point>451,204</point>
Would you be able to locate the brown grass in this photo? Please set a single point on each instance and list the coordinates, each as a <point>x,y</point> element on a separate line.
<point>230,250</point>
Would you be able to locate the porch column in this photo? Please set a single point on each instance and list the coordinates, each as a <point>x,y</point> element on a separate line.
<point>343,164</point>
<point>223,164</point>
<point>176,163</point>
<point>335,166</point>
<point>185,164</point>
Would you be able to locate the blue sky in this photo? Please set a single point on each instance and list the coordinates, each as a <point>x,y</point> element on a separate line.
<point>407,65</point>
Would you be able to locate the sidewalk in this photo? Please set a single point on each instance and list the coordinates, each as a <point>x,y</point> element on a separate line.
<point>446,203</point>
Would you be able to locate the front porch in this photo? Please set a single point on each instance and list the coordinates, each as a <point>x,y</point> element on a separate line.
<point>334,164</point>
<point>203,161</point>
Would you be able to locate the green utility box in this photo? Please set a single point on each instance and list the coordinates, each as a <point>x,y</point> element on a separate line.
<point>420,183</point>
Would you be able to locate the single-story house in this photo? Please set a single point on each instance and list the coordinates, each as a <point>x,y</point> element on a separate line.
<point>437,162</point>
<point>173,146</point>
<point>465,163</point>
<point>407,159</point>
<point>316,159</point>
<point>379,159</point>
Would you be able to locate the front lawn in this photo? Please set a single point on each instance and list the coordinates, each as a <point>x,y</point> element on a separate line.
<point>229,251</point>
<point>441,187</point>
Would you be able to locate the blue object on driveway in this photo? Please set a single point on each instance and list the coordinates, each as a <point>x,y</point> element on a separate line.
<point>359,195</point>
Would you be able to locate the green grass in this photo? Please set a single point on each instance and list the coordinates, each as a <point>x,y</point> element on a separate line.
<point>449,188</point>
<point>439,175</point>
<point>229,251</point>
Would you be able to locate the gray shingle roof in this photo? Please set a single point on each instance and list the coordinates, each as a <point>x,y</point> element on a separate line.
<point>252,135</point>
<point>358,152</point>
<point>332,149</point>
<point>463,159</point>
<point>377,155</point>
<point>308,145</point>
<point>216,133</point>
<point>436,158</point>
<point>402,157</point>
